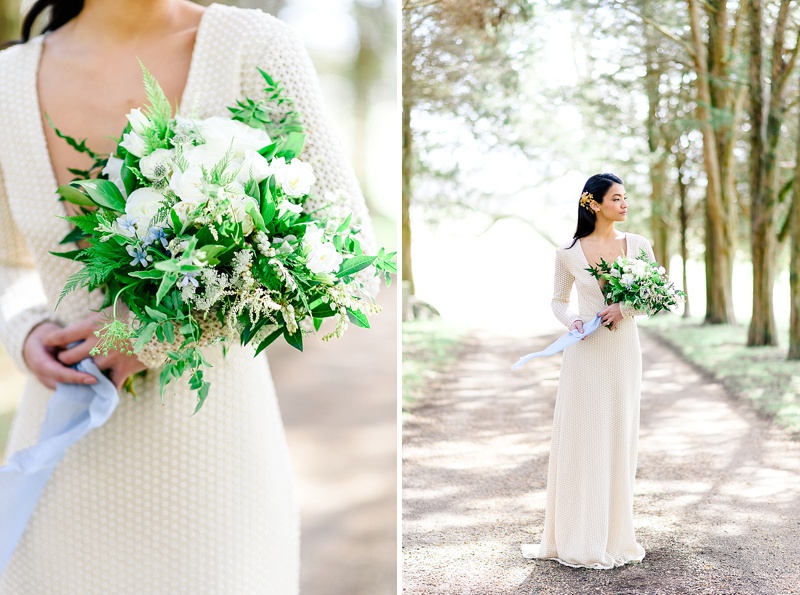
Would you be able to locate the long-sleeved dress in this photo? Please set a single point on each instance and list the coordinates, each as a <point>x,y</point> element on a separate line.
<point>589,515</point>
<point>155,501</point>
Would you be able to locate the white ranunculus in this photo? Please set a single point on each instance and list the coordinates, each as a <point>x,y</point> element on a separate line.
<point>143,204</point>
<point>134,144</point>
<point>158,164</point>
<point>113,170</point>
<point>324,259</point>
<point>139,122</point>
<point>232,133</point>
<point>254,166</point>
<point>189,185</point>
<point>295,178</point>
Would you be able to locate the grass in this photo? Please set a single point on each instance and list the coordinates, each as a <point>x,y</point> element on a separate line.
<point>429,346</point>
<point>759,375</point>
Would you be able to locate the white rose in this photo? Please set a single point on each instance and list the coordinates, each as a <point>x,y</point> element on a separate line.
<point>139,122</point>
<point>158,164</point>
<point>295,178</point>
<point>254,166</point>
<point>113,170</point>
<point>142,205</point>
<point>189,185</point>
<point>133,143</point>
<point>238,204</point>
<point>324,259</point>
<point>233,134</point>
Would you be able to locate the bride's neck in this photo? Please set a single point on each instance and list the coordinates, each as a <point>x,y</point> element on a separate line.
<point>604,230</point>
<point>116,22</point>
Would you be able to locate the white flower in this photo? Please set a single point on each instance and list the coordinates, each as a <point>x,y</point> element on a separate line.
<point>295,178</point>
<point>113,171</point>
<point>627,280</point>
<point>133,143</point>
<point>662,271</point>
<point>284,245</point>
<point>287,205</point>
<point>143,204</point>
<point>615,273</point>
<point>207,155</point>
<point>254,166</point>
<point>238,204</point>
<point>233,134</point>
<point>158,164</point>
<point>189,185</point>
<point>313,235</point>
<point>139,122</point>
<point>125,226</point>
<point>324,259</point>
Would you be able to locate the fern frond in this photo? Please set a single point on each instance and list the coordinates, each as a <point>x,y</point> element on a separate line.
<point>75,281</point>
<point>159,111</point>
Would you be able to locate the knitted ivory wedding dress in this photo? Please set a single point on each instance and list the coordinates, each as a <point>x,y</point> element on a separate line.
<point>589,517</point>
<point>155,501</point>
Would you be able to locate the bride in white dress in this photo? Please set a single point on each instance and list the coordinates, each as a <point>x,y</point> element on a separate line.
<point>593,454</point>
<point>155,501</point>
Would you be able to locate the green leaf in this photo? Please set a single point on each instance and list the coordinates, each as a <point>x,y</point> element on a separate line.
<point>169,331</point>
<point>167,372</point>
<point>144,336</point>
<point>358,318</point>
<point>353,265</point>
<point>104,193</point>
<point>71,255</point>
<point>258,220</point>
<point>77,279</point>
<point>269,151</point>
<point>268,208</point>
<point>345,224</point>
<point>269,340</point>
<point>202,395</point>
<point>317,323</point>
<point>295,340</point>
<point>155,314</point>
<point>292,146</point>
<point>78,146</point>
<point>76,234</point>
<point>147,274</point>
<point>129,179</point>
<point>167,283</point>
<point>75,196</point>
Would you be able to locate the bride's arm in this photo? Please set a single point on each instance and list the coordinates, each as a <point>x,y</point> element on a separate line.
<point>561,291</point>
<point>25,315</point>
<point>278,49</point>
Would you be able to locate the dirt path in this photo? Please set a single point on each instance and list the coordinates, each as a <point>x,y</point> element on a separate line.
<point>717,502</point>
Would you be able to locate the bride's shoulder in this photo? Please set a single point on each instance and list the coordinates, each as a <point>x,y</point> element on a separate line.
<point>567,246</point>
<point>636,239</point>
<point>248,21</point>
<point>18,54</point>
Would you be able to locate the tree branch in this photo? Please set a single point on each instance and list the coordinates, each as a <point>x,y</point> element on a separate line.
<point>658,27</point>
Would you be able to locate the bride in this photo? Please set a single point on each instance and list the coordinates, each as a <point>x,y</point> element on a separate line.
<point>155,501</point>
<point>589,516</point>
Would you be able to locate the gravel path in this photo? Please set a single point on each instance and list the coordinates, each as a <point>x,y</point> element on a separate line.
<point>717,503</point>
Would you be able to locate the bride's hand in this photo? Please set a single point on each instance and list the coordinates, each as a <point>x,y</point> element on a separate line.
<point>611,315</point>
<point>42,361</point>
<point>577,325</point>
<point>121,366</point>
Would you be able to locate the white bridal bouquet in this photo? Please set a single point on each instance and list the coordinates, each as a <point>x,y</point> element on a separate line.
<point>209,231</point>
<point>638,282</point>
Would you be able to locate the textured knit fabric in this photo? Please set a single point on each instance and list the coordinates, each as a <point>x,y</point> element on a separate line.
<point>155,501</point>
<point>589,516</point>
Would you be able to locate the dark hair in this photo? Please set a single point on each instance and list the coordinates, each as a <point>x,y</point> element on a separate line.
<point>61,11</point>
<point>597,186</point>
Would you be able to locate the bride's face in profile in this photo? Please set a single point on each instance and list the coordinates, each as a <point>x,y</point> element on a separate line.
<point>615,204</point>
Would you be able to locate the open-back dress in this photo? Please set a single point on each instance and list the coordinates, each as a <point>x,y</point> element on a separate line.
<point>156,500</point>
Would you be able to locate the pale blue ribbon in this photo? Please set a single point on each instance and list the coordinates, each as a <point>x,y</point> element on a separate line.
<point>73,411</point>
<point>562,342</point>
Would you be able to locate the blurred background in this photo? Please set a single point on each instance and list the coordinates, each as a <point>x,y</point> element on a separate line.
<point>338,399</point>
<point>510,105</point>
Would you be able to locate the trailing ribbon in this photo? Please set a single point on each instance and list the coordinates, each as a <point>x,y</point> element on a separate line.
<point>73,411</point>
<point>562,342</point>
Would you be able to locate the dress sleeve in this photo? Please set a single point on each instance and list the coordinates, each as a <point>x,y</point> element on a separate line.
<point>627,310</point>
<point>23,302</point>
<point>278,49</point>
<point>561,292</point>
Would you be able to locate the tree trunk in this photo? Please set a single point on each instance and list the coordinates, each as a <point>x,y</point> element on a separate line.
<point>794,266</point>
<point>407,273</point>
<point>683,215</point>
<point>762,321</point>
<point>719,241</point>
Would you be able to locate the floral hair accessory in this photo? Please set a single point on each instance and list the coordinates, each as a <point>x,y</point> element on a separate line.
<point>586,198</point>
